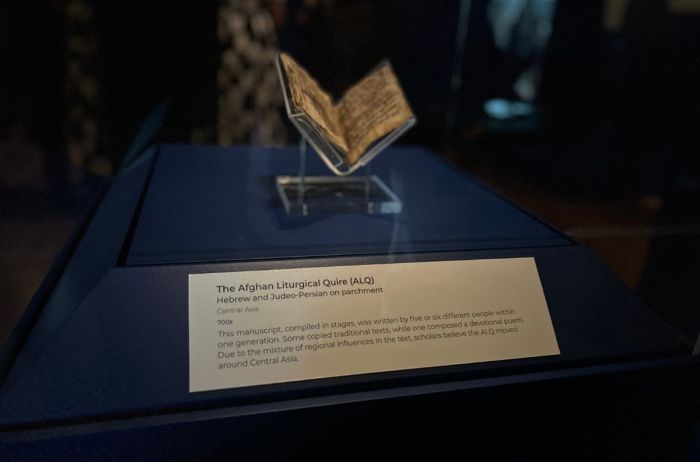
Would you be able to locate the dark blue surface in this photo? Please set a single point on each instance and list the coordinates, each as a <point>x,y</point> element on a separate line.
<point>124,351</point>
<point>112,342</point>
<point>213,204</point>
<point>97,253</point>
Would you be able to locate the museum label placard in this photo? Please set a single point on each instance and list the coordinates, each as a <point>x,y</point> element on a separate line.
<point>252,328</point>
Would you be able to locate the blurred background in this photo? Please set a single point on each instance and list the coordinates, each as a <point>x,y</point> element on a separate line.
<point>584,112</point>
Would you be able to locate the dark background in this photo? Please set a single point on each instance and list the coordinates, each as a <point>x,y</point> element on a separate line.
<point>607,152</point>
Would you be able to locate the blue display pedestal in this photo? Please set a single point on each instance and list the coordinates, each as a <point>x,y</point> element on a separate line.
<point>99,366</point>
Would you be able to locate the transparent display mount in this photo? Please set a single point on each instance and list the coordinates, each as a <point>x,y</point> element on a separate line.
<point>329,195</point>
<point>339,193</point>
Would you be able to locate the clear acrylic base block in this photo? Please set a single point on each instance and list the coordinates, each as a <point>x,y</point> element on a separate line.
<point>331,195</point>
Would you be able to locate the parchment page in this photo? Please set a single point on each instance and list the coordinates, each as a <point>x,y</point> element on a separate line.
<point>308,96</point>
<point>371,109</point>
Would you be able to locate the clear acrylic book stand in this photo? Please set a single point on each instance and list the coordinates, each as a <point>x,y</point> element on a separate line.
<point>328,195</point>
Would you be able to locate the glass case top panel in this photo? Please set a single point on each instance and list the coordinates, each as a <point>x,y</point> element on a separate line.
<point>212,204</point>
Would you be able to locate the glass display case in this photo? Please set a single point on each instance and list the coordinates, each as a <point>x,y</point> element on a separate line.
<point>515,277</point>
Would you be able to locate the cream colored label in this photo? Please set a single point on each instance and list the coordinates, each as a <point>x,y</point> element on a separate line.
<point>259,327</point>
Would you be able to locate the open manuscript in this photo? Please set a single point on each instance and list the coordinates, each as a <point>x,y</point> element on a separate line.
<point>349,133</point>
